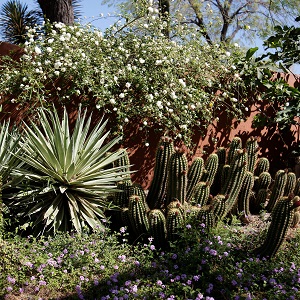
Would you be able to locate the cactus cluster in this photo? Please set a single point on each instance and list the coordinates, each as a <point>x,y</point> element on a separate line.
<point>232,181</point>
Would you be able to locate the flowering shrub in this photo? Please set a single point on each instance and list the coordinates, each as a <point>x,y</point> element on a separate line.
<point>131,71</point>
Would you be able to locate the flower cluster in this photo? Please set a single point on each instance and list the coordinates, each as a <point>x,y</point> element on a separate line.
<point>132,72</point>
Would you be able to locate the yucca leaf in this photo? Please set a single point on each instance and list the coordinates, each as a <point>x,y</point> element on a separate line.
<point>74,217</point>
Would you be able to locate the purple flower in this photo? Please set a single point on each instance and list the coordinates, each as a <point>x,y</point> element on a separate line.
<point>134,288</point>
<point>210,288</point>
<point>11,280</point>
<point>159,282</point>
<point>220,278</point>
<point>189,282</point>
<point>188,226</point>
<point>137,263</point>
<point>122,229</point>
<point>102,267</point>
<point>9,288</point>
<point>81,278</point>
<point>233,282</point>
<point>96,282</point>
<point>42,282</point>
<point>152,247</point>
<point>174,256</point>
<point>122,258</point>
<point>196,277</point>
<point>213,252</point>
<point>116,267</point>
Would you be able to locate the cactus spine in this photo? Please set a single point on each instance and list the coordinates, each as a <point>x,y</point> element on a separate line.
<point>245,193</point>
<point>157,227</point>
<point>252,147</point>
<point>219,206</point>
<point>278,189</point>
<point>177,181</point>
<point>194,174</point>
<point>201,193</point>
<point>262,182</point>
<point>158,187</point>
<point>282,216</point>
<point>290,183</point>
<point>174,223</point>
<point>262,165</point>
<point>124,162</point>
<point>137,215</point>
<point>121,197</point>
<point>211,167</point>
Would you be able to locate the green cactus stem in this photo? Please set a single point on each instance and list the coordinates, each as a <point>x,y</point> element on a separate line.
<point>290,183</point>
<point>224,175</point>
<point>211,168</point>
<point>277,189</point>
<point>252,148</point>
<point>219,206</point>
<point>206,216</point>
<point>174,222</point>
<point>235,145</point>
<point>158,227</point>
<point>245,193</point>
<point>194,175</point>
<point>136,189</point>
<point>262,182</point>
<point>262,165</point>
<point>201,193</point>
<point>121,197</point>
<point>158,187</point>
<point>124,162</point>
<point>138,215</point>
<point>177,178</point>
<point>281,216</point>
<point>216,186</point>
<point>235,178</point>
<point>297,188</point>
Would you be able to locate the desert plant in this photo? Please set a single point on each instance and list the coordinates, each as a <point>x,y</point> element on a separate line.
<point>70,174</point>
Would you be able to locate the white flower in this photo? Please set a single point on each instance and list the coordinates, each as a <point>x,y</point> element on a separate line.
<point>37,50</point>
<point>145,123</point>
<point>287,104</point>
<point>158,62</point>
<point>62,38</point>
<point>246,109</point>
<point>57,64</point>
<point>182,82</point>
<point>98,106</point>
<point>122,95</point>
<point>173,95</point>
<point>193,106</point>
<point>159,104</point>
<point>50,41</point>
<point>227,53</point>
<point>171,110</point>
<point>112,101</point>
<point>150,9</point>
<point>234,99</point>
<point>56,73</point>
<point>49,49</point>
<point>126,120</point>
<point>147,144</point>
<point>128,85</point>
<point>236,45</point>
<point>141,60</point>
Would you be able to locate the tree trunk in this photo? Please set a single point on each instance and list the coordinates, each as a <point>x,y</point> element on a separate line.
<point>58,11</point>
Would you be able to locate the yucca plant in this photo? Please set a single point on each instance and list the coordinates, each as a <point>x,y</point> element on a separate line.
<point>70,174</point>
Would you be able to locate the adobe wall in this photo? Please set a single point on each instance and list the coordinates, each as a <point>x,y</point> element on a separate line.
<point>275,144</point>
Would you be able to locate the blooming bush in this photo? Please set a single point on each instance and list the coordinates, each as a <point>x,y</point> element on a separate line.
<point>132,72</point>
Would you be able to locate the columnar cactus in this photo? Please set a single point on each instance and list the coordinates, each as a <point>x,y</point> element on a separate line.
<point>262,165</point>
<point>210,167</point>
<point>205,216</point>
<point>252,148</point>
<point>219,206</point>
<point>278,189</point>
<point>177,178</point>
<point>158,187</point>
<point>262,182</point>
<point>174,223</point>
<point>215,188</point>
<point>121,197</point>
<point>290,183</point>
<point>297,188</point>
<point>194,174</point>
<point>235,145</point>
<point>282,216</point>
<point>258,201</point>
<point>245,193</point>
<point>201,193</point>
<point>124,162</point>
<point>138,215</point>
<point>157,227</point>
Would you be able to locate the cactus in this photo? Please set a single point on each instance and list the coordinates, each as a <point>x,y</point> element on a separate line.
<point>245,193</point>
<point>235,178</point>
<point>177,178</point>
<point>121,197</point>
<point>235,145</point>
<point>297,188</point>
<point>257,202</point>
<point>224,175</point>
<point>290,183</point>
<point>174,222</point>
<point>194,174</point>
<point>158,187</point>
<point>211,167</point>
<point>262,182</point>
<point>219,206</point>
<point>136,189</point>
<point>262,165</point>
<point>205,216</point>
<point>296,217</point>
<point>124,162</point>
<point>282,216</point>
<point>137,215</point>
<point>251,147</point>
<point>278,189</point>
<point>201,193</point>
<point>157,227</point>
<point>215,188</point>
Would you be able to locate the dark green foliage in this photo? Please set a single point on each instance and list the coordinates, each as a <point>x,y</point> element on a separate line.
<point>158,187</point>
<point>262,165</point>
<point>157,227</point>
<point>282,216</point>
<point>177,178</point>
<point>277,189</point>
<point>210,169</point>
<point>290,183</point>
<point>194,174</point>
<point>174,223</point>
